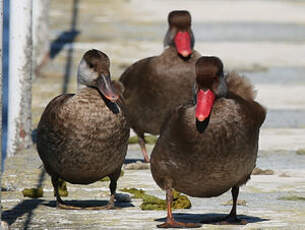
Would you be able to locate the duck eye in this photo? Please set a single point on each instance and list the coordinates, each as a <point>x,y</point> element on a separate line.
<point>90,65</point>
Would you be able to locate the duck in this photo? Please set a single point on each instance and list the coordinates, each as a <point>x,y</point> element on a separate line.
<point>157,84</point>
<point>209,145</point>
<point>83,137</point>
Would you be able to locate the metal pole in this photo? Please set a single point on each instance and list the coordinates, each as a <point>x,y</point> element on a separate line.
<point>20,69</point>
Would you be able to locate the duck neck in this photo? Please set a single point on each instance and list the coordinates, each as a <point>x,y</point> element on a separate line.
<point>169,38</point>
<point>222,89</point>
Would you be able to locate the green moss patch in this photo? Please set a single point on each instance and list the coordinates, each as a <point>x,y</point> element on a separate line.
<point>150,139</point>
<point>33,192</point>
<point>180,201</point>
<point>137,193</point>
<point>292,198</point>
<point>137,166</point>
<point>133,140</point>
<point>106,178</point>
<point>62,188</point>
<point>300,151</point>
<point>154,203</point>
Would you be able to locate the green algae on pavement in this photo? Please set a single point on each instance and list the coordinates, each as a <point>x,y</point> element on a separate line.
<point>150,139</point>
<point>137,193</point>
<point>62,188</point>
<point>33,192</point>
<point>151,202</point>
<point>106,178</point>
<point>300,151</point>
<point>292,198</point>
<point>180,201</point>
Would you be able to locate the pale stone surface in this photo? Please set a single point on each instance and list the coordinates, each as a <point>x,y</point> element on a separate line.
<point>263,208</point>
<point>282,139</point>
<point>263,39</point>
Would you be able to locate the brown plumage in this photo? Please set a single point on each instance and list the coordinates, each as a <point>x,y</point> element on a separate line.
<point>206,159</point>
<point>240,86</point>
<point>83,137</point>
<point>155,85</point>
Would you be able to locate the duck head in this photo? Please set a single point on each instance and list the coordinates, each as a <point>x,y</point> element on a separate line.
<point>209,86</point>
<point>93,71</point>
<point>179,34</point>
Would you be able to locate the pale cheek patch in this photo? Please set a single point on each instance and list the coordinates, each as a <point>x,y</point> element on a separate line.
<point>85,75</point>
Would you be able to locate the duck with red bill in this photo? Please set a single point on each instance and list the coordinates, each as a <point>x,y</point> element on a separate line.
<point>218,151</point>
<point>151,84</point>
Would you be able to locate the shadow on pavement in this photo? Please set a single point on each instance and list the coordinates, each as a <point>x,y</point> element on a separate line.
<point>25,207</point>
<point>90,203</point>
<point>133,160</point>
<point>66,37</point>
<point>209,218</point>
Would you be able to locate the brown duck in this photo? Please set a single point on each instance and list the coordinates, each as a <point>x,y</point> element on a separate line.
<point>83,137</point>
<point>210,145</point>
<point>155,85</point>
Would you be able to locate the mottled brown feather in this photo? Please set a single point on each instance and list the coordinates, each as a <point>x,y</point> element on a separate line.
<point>80,139</point>
<point>210,163</point>
<point>240,85</point>
<point>154,86</point>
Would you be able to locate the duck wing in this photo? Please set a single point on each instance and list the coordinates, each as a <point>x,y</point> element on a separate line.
<point>133,78</point>
<point>52,110</point>
<point>240,86</point>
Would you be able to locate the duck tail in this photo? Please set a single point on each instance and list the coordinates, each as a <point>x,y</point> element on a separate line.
<point>241,86</point>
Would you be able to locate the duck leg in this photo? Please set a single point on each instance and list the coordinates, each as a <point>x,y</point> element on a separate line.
<point>143,147</point>
<point>170,221</point>
<point>113,185</point>
<point>61,204</point>
<point>232,217</point>
<point>59,201</point>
